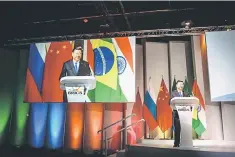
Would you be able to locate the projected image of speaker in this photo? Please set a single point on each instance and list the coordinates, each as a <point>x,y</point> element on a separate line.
<point>105,67</point>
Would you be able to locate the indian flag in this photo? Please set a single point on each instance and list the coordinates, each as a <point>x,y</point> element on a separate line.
<point>125,46</point>
<point>199,114</point>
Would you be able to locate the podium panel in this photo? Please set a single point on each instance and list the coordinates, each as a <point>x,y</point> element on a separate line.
<point>185,106</point>
<point>77,87</point>
<point>185,116</point>
<point>76,94</point>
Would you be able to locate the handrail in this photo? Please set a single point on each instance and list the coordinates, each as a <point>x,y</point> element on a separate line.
<point>127,127</point>
<point>116,123</point>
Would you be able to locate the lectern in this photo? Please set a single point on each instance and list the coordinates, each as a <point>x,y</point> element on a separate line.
<point>185,106</point>
<point>77,87</point>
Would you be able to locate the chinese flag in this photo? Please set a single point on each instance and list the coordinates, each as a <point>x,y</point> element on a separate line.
<point>164,112</point>
<point>57,54</point>
<point>137,109</point>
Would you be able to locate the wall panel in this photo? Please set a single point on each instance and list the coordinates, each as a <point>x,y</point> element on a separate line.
<point>157,68</point>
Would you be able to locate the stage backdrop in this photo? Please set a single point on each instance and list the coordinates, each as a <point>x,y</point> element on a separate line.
<point>111,61</point>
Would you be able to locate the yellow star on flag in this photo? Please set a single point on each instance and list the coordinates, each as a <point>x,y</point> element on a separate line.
<point>64,47</point>
<point>57,51</point>
<point>161,88</point>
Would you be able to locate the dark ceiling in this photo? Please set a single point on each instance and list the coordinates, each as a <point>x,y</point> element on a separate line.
<point>38,19</point>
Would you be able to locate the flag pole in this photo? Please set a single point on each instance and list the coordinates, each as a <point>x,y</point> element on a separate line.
<point>143,43</point>
<point>164,131</point>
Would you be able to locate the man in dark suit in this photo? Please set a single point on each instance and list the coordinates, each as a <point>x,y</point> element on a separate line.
<point>178,93</point>
<point>75,67</point>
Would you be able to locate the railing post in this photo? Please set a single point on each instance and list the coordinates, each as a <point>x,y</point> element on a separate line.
<point>105,143</point>
<point>121,140</point>
<point>125,142</point>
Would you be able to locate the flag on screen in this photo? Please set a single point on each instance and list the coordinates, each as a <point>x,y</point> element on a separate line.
<point>34,76</point>
<point>137,109</point>
<point>106,72</point>
<point>164,112</point>
<point>150,113</point>
<point>199,115</point>
<point>125,58</point>
<point>57,54</point>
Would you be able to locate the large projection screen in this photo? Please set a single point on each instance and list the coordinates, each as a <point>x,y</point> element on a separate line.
<point>110,60</point>
<point>221,64</point>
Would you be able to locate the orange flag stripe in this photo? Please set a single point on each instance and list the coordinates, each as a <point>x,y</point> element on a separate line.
<point>197,93</point>
<point>125,47</point>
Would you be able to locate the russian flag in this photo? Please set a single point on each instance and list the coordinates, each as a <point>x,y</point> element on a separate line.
<point>35,71</point>
<point>150,108</point>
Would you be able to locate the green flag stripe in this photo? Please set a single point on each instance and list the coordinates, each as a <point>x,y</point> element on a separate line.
<point>108,40</point>
<point>107,95</point>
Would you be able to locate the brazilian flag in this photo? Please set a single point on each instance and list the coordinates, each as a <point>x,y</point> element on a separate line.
<point>106,72</point>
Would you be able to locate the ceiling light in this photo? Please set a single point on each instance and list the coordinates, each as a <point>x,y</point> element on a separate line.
<point>187,24</point>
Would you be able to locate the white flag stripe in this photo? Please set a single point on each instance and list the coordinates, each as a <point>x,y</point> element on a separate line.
<point>202,117</point>
<point>42,50</point>
<point>127,78</point>
<point>152,92</point>
<point>132,41</point>
<point>47,46</point>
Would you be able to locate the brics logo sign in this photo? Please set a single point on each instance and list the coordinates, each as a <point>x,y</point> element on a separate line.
<point>76,91</point>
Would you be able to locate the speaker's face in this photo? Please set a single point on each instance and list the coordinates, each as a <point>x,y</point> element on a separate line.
<point>77,55</point>
<point>180,86</point>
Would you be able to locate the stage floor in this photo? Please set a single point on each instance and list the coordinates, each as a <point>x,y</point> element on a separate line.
<point>164,148</point>
<point>196,143</point>
<point>199,148</point>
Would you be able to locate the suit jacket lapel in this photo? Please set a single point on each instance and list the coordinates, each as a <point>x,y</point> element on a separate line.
<point>72,67</point>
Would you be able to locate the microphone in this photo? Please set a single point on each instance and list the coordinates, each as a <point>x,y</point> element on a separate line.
<point>85,90</point>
